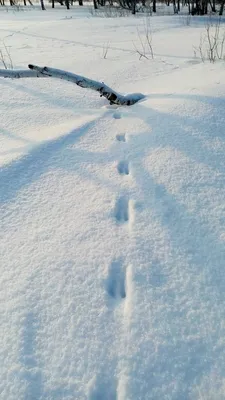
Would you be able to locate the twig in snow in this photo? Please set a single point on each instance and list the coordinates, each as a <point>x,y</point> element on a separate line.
<point>105,50</point>
<point>6,58</point>
<point>145,41</point>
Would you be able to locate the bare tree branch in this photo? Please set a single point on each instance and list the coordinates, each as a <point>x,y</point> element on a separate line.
<point>105,91</point>
<point>44,72</point>
<point>20,73</point>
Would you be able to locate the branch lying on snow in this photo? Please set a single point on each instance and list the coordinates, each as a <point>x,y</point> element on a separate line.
<point>44,72</point>
<point>20,73</point>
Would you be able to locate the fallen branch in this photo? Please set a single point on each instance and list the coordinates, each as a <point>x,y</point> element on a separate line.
<point>20,73</point>
<point>44,72</point>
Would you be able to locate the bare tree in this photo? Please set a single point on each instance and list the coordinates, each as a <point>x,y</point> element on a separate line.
<point>154,6</point>
<point>211,45</point>
<point>221,7</point>
<point>42,5</point>
<point>133,7</point>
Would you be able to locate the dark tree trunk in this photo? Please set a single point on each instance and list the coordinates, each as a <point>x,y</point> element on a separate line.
<point>189,7</point>
<point>95,4</point>
<point>222,7</point>
<point>203,7</point>
<point>42,5</point>
<point>133,7</point>
<point>175,7</point>
<point>80,2</point>
<point>154,6</point>
<point>196,9</point>
<point>193,8</point>
<point>67,3</point>
<point>53,3</point>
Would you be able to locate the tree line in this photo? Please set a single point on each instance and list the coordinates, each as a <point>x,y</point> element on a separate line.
<point>195,7</point>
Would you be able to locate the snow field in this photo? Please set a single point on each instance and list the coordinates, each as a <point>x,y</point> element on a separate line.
<point>112,219</point>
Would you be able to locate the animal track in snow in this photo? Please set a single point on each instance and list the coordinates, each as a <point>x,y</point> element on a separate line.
<point>116,283</point>
<point>117,115</point>
<point>121,138</point>
<point>123,168</point>
<point>102,387</point>
<point>122,209</point>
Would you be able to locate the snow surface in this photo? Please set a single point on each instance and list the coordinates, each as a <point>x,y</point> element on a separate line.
<point>112,281</point>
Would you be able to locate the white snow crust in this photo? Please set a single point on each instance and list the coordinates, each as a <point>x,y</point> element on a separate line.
<point>112,233</point>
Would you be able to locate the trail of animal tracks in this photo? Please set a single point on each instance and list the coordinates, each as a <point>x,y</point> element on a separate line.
<point>112,220</point>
